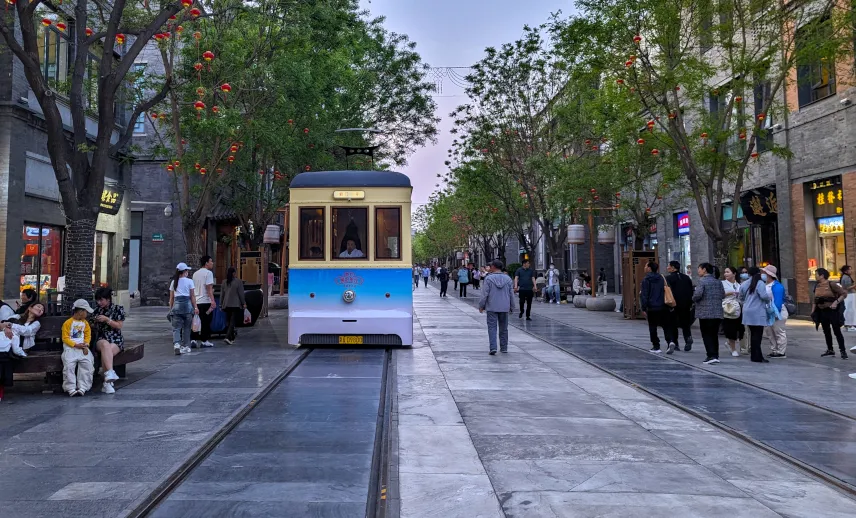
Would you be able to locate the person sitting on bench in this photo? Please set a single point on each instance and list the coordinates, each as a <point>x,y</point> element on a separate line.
<point>108,320</point>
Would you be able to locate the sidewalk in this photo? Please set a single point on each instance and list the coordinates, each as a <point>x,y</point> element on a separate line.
<point>538,433</point>
<point>95,456</point>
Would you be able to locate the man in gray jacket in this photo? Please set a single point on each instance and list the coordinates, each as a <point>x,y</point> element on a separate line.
<point>498,300</point>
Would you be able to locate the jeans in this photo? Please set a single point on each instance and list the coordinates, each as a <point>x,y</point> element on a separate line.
<point>756,334</point>
<point>416,280</point>
<point>204,334</point>
<point>659,318</point>
<point>710,335</point>
<point>463,290</point>
<point>426,281</point>
<point>233,317</point>
<point>444,287</point>
<point>182,320</point>
<point>552,293</point>
<point>494,319</point>
<point>526,297</point>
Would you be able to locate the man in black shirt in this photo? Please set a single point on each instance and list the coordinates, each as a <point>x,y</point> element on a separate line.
<point>443,275</point>
<point>524,285</point>
<point>682,314</point>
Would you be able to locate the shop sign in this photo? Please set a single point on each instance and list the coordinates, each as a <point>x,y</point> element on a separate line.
<point>760,205</point>
<point>831,225</point>
<point>111,200</point>
<point>157,238</point>
<point>827,198</point>
<point>31,249</point>
<point>683,223</point>
<point>34,231</point>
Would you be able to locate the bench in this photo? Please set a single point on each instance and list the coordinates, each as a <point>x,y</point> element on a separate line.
<point>46,355</point>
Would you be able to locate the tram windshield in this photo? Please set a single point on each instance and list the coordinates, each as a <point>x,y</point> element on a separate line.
<point>350,232</point>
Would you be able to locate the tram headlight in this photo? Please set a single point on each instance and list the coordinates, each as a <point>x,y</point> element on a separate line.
<point>349,296</point>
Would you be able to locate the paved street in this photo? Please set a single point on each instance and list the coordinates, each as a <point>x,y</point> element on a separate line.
<point>545,434</point>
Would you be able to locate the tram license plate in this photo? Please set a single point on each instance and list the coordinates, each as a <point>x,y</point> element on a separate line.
<point>351,340</point>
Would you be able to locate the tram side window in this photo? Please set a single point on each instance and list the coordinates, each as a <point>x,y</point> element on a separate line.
<point>312,234</point>
<point>388,233</point>
<point>350,233</point>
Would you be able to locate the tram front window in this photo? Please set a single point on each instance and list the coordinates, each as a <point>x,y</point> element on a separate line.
<point>388,232</point>
<point>312,233</point>
<point>350,240</point>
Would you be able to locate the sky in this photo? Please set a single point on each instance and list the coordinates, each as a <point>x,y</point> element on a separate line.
<point>454,33</point>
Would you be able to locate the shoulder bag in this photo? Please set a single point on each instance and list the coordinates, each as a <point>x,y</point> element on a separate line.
<point>668,297</point>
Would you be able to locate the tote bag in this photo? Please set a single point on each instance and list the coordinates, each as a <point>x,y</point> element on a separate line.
<point>668,296</point>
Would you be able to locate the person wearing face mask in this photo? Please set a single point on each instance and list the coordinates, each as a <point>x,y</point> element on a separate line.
<point>744,337</point>
<point>754,296</point>
<point>776,333</point>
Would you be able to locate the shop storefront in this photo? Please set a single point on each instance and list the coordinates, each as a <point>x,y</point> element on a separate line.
<point>681,253</point>
<point>756,240</point>
<point>41,258</point>
<point>825,238</point>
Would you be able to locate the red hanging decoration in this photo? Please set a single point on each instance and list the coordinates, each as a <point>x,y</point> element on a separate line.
<point>641,141</point>
<point>215,109</point>
<point>179,29</point>
<point>61,26</point>
<point>195,13</point>
<point>306,131</point>
<point>620,81</point>
<point>89,32</point>
<point>234,148</point>
<point>704,135</point>
<point>219,171</point>
<point>637,39</point>
<point>200,92</point>
<point>628,63</point>
<point>225,88</point>
<point>177,163</point>
<point>199,106</point>
<point>290,122</point>
<point>47,22</point>
<point>231,159</point>
<point>170,168</point>
<point>655,152</point>
<point>120,39</point>
<point>761,117</point>
<point>202,171</point>
<point>307,168</point>
<point>208,56</point>
<point>158,37</point>
<point>738,99</point>
<point>187,3</point>
<point>754,155</point>
<point>154,115</point>
<point>197,165</point>
<point>198,68</point>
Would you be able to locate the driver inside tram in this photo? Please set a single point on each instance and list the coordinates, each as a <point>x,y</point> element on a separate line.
<point>351,251</point>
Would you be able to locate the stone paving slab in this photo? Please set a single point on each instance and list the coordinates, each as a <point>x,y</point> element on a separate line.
<point>557,437</point>
<point>95,456</point>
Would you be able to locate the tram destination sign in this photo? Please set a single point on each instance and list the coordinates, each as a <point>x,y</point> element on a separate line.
<point>349,195</point>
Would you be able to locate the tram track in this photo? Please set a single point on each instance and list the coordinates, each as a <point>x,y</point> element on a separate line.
<point>378,487</point>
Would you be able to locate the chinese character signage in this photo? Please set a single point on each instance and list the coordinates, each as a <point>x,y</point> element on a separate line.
<point>111,200</point>
<point>760,205</point>
<point>683,223</point>
<point>827,198</point>
<point>831,225</point>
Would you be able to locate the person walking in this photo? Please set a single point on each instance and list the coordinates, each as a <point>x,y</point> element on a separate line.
<point>433,272</point>
<point>476,278</point>
<point>653,301</point>
<point>426,272</point>
<point>524,286</point>
<point>828,296</point>
<point>755,297</point>
<point>744,340</point>
<point>498,300</point>
<point>776,333</point>
<point>731,311</point>
<point>203,286</point>
<point>463,280</point>
<point>417,273</point>
<point>454,277</point>
<point>708,297</point>
<point>553,287</point>
<point>602,284</point>
<point>182,303</point>
<point>443,276</point>
<point>849,287</point>
<point>234,304</point>
<point>682,314</point>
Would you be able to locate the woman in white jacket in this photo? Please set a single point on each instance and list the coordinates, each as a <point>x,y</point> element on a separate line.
<point>14,339</point>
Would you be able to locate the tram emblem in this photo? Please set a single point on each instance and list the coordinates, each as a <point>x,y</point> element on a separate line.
<point>349,279</point>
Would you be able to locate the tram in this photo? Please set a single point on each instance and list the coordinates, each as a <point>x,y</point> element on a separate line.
<point>349,277</point>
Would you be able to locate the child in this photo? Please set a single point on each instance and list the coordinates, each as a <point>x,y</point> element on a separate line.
<point>76,336</point>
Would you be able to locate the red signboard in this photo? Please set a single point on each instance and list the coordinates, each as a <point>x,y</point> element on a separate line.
<point>683,223</point>
<point>31,249</point>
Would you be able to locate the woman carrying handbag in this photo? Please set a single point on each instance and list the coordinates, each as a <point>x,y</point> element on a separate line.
<point>755,299</point>
<point>731,310</point>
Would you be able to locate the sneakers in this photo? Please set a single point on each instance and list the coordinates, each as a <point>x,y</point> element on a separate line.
<point>655,350</point>
<point>230,342</point>
<point>671,348</point>
<point>177,348</point>
<point>110,376</point>
<point>711,361</point>
<point>493,352</point>
<point>735,353</point>
<point>206,344</point>
<point>829,352</point>
<point>194,344</point>
<point>853,349</point>
<point>73,393</point>
<point>776,355</point>
<point>185,350</point>
<point>689,344</point>
<point>107,388</point>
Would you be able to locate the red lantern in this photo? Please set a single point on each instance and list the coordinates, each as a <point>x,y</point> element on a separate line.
<point>195,13</point>
<point>170,168</point>
<point>618,195</point>
<point>659,197</point>
<point>179,29</point>
<point>641,141</point>
<point>307,168</point>
<point>588,142</point>
<point>738,99</point>
<point>202,171</point>
<point>154,115</point>
<point>632,57</point>
<point>219,171</point>
<point>47,22</point>
<point>628,63</point>
<point>200,92</point>
<point>754,155</point>
<point>761,117</point>
<point>593,191</point>
<point>672,115</point>
<point>620,81</point>
<point>215,109</point>
<point>485,150</point>
<point>187,3</point>
<point>197,67</point>
<point>234,148</point>
<point>655,152</point>
<point>177,162</point>
<point>703,135</point>
<point>651,124</point>
<point>120,39</point>
<point>261,172</point>
<point>677,88</point>
<point>290,122</point>
<point>305,131</point>
<point>596,198</point>
<point>197,36</point>
<point>637,39</point>
<point>225,88</point>
<point>742,136</point>
<point>89,32</point>
<point>648,210</point>
<point>61,26</point>
<point>199,106</point>
<point>231,159</point>
<point>197,165</point>
<point>208,55</point>
<point>158,37</point>
<point>594,148</point>
<point>166,35</point>
<point>579,200</point>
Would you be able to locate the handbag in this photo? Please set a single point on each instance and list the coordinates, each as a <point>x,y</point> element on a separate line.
<point>218,320</point>
<point>731,308</point>
<point>196,326</point>
<point>248,318</point>
<point>668,296</point>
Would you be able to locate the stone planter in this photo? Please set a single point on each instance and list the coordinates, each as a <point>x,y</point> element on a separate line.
<point>606,236</point>
<point>576,234</point>
<point>600,304</point>
<point>580,301</point>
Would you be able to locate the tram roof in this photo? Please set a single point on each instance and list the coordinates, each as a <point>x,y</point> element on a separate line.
<point>350,179</point>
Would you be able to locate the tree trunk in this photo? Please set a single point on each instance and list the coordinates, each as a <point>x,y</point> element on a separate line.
<point>80,242</point>
<point>194,245</point>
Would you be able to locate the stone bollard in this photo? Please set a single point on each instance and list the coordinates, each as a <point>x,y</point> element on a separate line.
<point>580,301</point>
<point>600,304</point>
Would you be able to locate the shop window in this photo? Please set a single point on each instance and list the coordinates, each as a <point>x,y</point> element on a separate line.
<point>101,268</point>
<point>388,233</point>
<point>831,233</point>
<point>41,257</point>
<point>53,53</point>
<point>350,233</point>
<point>815,74</point>
<point>764,138</point>
<point>312,240</point>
